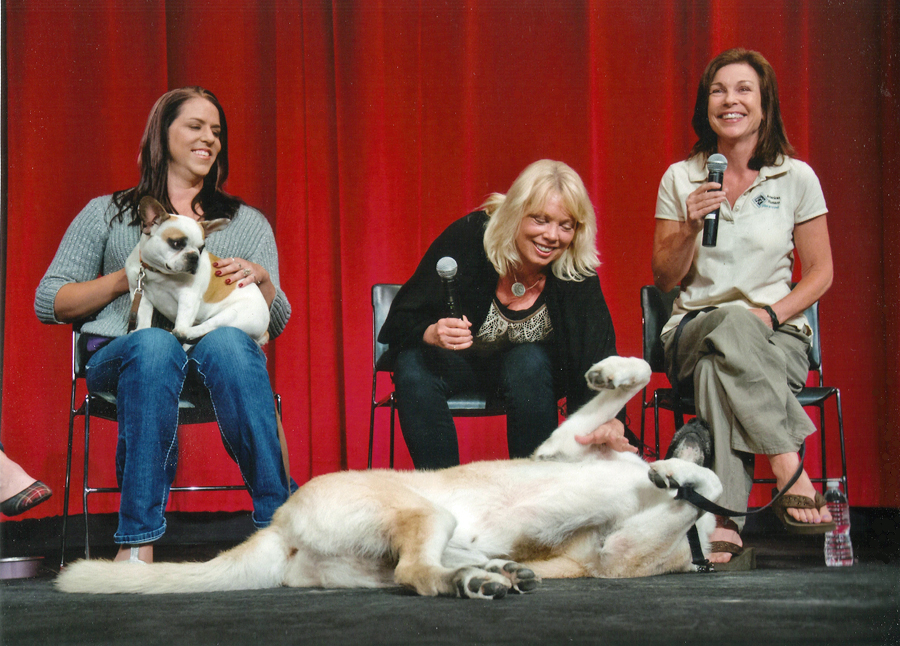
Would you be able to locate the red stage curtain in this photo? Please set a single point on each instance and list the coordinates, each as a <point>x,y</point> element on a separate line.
<point>363,128</point>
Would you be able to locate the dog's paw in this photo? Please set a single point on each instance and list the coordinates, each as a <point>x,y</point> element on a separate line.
<point>675,472</point>
<point>523,579</point>
<point>618,372</point>
<point>184,337</point>
<point>661,478</point>
<point>475,583</point>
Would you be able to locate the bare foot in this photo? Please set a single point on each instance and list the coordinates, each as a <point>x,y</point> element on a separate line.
<point>144,553</point>
<point>723,533</point>
<point>13,478</point>
<point>784,465</point>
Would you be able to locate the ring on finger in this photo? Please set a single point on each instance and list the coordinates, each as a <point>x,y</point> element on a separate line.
<point>247,272</point>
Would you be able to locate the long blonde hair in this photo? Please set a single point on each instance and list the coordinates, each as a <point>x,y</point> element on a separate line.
<point>527,195</point>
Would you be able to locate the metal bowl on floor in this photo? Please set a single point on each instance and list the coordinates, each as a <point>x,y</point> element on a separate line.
<point>20,567</point>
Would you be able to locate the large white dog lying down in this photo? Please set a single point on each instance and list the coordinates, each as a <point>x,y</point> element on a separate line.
<point>476,530</point>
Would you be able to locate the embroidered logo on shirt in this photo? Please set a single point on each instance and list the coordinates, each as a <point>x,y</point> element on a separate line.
<point>767,201</point>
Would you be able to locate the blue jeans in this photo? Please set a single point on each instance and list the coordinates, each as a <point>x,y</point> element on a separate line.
<point>147,370</point>
<point>426,376</point>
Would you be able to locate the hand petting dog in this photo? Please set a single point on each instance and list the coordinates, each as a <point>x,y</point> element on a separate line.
<point>610,434</point>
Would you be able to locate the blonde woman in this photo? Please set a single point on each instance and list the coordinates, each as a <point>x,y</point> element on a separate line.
<point>533,318</point>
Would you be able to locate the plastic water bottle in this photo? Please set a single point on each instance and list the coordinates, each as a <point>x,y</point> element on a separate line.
<point>838,549</point>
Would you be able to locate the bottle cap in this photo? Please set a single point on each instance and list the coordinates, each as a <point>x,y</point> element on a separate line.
<point>833,484</point>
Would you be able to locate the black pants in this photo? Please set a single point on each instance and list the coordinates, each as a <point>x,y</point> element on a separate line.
<point>426,376</point>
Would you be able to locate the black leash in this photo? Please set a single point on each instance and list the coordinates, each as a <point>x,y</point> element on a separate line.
<point>687,493</point>
<point>687,318</point>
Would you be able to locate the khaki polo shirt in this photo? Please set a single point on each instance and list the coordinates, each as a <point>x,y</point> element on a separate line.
<point>753,261</point>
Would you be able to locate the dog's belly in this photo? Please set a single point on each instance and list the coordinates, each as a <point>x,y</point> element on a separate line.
<point>524,509</point>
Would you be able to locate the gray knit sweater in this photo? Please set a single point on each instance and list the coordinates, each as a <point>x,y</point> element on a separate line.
<point>91,247</point>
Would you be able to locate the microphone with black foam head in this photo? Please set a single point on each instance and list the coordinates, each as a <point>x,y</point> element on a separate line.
<point>446,269</point>
<point>715,165</point>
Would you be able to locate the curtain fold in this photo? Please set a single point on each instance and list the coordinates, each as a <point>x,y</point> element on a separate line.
<point>362,129</point>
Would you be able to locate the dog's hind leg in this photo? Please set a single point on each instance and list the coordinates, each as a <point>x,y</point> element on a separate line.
<point>649,543</point>
<point>654,541</point>
<point>419,536</point>
<point>617,380</point>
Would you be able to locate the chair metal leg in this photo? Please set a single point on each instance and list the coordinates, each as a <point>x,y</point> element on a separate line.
<point>643,417</point>
<point>837,395</point>
<point>65,519</point>
<point>393,409</point>
<point>822,444</point>
<point>372,420</point>
<point>84,489</point>
<point>656,421</point>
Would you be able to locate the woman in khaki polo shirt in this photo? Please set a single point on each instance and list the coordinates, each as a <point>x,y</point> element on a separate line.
<point>745,356</point>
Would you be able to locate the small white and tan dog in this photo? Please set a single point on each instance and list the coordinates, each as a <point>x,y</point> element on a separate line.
<point>477,530</point>
<point>174,271</point>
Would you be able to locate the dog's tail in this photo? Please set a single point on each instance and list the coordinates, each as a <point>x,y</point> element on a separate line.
<point>259,562</point>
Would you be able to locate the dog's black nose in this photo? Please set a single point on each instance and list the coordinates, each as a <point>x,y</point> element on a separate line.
<point>192,261</point>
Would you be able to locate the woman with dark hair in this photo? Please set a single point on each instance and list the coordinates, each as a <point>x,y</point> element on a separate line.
<point>184,162</point>
<point>737,338</point>
<point>533,318</point>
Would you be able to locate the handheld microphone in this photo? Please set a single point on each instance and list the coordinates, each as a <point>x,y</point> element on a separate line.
<point>716,165</point>
<point>446,269</point>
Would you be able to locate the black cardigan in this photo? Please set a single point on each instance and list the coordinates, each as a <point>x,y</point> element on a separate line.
<point>583,328</point>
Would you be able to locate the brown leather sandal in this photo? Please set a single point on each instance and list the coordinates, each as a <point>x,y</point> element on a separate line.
<point>797,501</point>
<point>742,559</point>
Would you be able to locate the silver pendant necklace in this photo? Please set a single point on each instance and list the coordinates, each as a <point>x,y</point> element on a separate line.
<point>518,289</point>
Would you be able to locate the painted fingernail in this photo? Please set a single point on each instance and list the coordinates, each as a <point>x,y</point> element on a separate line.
<point>227,281</point>
<point>218,273</point>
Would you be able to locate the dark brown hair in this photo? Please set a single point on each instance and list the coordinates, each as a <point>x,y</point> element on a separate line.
<point>154,161</point>
<point>772,139</point>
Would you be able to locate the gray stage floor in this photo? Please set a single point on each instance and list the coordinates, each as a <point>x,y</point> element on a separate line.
<point>792,598</point>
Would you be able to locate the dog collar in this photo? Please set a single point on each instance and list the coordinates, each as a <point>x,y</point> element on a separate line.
<point>149,268</point>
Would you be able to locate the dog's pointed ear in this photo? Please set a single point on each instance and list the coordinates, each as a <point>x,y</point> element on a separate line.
<point>214,225</point>
<point>152,213</point>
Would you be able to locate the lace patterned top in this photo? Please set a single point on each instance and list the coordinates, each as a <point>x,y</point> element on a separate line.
<point>504,327</point>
